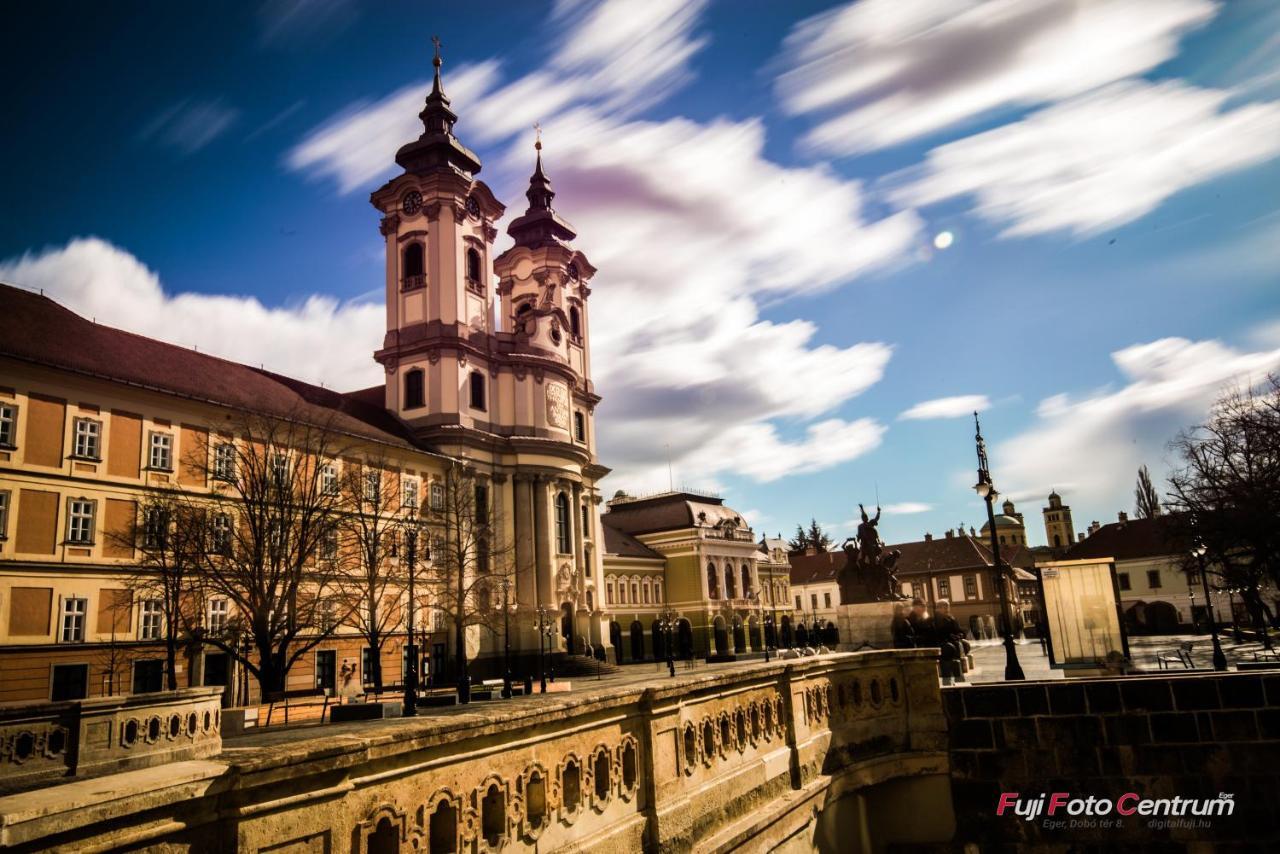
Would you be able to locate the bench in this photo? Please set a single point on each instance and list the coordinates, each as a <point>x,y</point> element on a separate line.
<point>287,697</point>
<point>1181,655</point>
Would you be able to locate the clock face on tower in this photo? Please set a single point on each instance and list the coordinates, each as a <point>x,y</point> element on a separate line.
<point>473,207</point>
<point>412,203</point>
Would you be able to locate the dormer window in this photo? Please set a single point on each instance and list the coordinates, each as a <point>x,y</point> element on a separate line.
<point>413,267</point>
<point>473,265</point>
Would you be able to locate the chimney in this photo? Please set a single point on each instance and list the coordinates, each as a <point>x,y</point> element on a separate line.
<point>1094,526</point>
<point>950,533</point>
<point>1080,537</point>
<point>1123,517</point>
<point>928,538</point>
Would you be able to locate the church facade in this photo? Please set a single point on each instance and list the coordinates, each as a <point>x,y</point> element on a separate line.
<point>487,365</point>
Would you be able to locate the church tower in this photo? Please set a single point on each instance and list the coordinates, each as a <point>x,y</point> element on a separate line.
<point>500,377</point>
<point>1059,532</point>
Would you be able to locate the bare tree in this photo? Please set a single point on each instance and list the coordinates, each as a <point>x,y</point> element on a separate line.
<point>166,538</point>
<point>375,503</point>
<point>1147,500</point>
<point>469,560</point>
<point>1226,494</point>
<point>275,504</point>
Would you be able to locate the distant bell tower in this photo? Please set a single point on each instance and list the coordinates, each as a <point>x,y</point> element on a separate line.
<point>438,229</point>
<point>1059,532</point>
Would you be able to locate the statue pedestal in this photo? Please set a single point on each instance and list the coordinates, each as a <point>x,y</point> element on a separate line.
<point>866,623</point>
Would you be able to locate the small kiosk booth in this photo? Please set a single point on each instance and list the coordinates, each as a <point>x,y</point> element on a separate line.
<point>1080,600</point>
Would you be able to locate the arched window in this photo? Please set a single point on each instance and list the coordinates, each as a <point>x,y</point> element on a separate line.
<point>575,322</point>
<point>635,592</point>
<point>608,592</point>
<point>713,582</point>
<point>413,389</point>
<point>473,265</point>
<point>412,267</point>
<point>646,591</point>
<point>657,592</point>
<point>730,587</point>
<point>746,580</point>
<point>564,543</point>
<point>622,590</point>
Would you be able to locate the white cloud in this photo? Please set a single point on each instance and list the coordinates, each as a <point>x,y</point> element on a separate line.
<point>320,340</point>
<point>1097,161</point>
<point>947,407</point>
<point>1090,449</point>
<point>189,126</point>
<point>881,72</point>
<point>907,507</point>
<point>359,144</point>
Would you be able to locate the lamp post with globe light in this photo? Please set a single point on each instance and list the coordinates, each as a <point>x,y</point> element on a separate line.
<point>987,492</point>
<point>1219,658</point>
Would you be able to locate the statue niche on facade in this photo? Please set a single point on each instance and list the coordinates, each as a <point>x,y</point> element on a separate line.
<point>868,573</point>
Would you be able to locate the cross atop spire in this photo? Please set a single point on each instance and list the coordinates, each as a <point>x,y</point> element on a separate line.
<point>540,221</point>
<point>437,144</point>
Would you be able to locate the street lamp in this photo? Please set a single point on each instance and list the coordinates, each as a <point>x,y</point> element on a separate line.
<point>506,637</point>
<point>1219,658</point>
<point>544,629</point>
<point>987,492</point>
<point>667,620</point>
<point>410,526</point>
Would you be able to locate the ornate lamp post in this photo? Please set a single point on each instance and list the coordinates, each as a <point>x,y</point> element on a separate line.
<point>410,527</point>
<point>987,492</point>
<point>667,621</point>
<point>544,628</point>
<point>1219,658</point>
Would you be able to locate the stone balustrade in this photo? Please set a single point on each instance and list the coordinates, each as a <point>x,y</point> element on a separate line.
<point>43,742</point>
<point>780,754</point>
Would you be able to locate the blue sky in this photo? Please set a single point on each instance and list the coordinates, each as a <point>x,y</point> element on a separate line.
<point>761,185</point>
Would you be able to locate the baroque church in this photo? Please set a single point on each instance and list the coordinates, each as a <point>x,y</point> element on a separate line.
<point>497,378</point>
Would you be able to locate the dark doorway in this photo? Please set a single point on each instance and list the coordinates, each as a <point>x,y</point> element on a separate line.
<point>739,638</point>
<point>148,676</point>
<point>786,632</point>
<point>439,664</point>
<point>721,636</point>
<point>637,641</point>
<point>684,640</point>
<point>327,670</point>
<point>566,625</point>
<point>615,640</point>
<point>217,668</point>
<point>70,682</point>
<point>659,642</point>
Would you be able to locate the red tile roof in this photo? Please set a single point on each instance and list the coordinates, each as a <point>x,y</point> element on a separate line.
<point>1135,538</point>
<point>35,329</point>
<point>921,556</point>
<point>623,544</point>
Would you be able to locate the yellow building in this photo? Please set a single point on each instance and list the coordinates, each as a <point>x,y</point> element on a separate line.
<point>94,419</point>
<point>1011,530</point>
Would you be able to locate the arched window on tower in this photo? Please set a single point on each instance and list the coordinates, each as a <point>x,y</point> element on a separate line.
<point>413,389</point>
<point>575,322</point>
<point>473,265</point>
<point>564,543</point>
<point>713,582</point>
<point>412,267</point>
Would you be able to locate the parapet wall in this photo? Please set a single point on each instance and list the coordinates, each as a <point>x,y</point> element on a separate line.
<point>741,757</point>
<point>1196,735</point>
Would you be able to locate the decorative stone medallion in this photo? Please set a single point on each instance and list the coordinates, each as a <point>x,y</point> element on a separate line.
<point>558,405</point>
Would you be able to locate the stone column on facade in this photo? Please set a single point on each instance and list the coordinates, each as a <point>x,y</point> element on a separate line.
<point>582,614</point>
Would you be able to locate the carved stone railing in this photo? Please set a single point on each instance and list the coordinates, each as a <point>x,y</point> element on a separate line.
<point>42,742</point>
<point>701,761</point>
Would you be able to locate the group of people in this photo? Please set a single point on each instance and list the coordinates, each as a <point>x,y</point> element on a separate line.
<point>917,628</point>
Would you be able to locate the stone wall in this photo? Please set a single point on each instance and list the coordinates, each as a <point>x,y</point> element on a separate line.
<point>747,757</point>
<point>1194,735</point>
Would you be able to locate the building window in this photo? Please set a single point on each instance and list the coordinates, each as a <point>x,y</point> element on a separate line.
<point>280,469</point>
<point>88,439</point>
<point>4,516</point>
<point>564,543</point>
<point>635,592</point>
<point>657,592</point>
<point>473,266</point>
<point>713,582</point>
<point>813,601</point>
<point>575,322</point>
<point>799,607</point>
<point>944,588</point>
<point>608,592</point>
<point>478,397</point>
<point>746,581</point>
<point>413,389</point>
<point>219,612</point>
<point>412,267</point>
<point>437,496</point>
<point>1122,578</point>
<point>1153,579</point>
<point>622,591</point>
<point>730,586</point>
<point>410,497</point>
<point>224,462</point>
<point>372,486</point>
<point>8,424</point>
<point>80,521</point>
<point>161,456</point>
<point>482,505</point>
<point>329,544</point>
<point>579,427</point>
<point>220,534</point>
<point>329,479</point>
<point>970,587</point>
<point>150,622</point>
<point>155,524</point>
<point>646,591</point>
<point>586,521</point>
<point>70,682</point>
<point>826,600</point>
<point>917,590</point>
<point>71,629</point>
